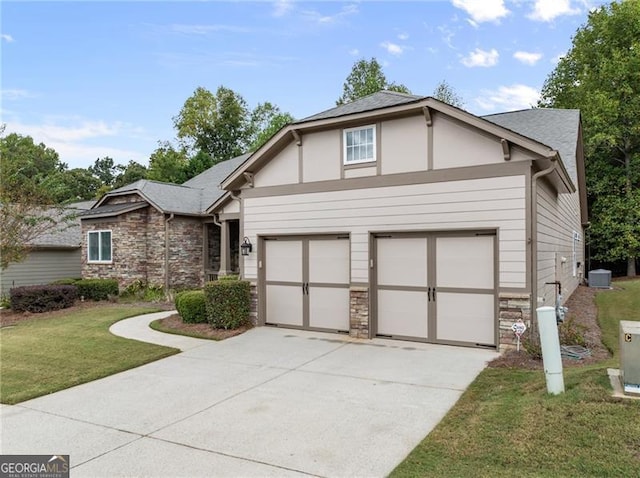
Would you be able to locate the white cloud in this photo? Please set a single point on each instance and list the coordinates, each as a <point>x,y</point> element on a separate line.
<point>79,142</point>
<point>403,36</point>
<point>528,58</point>
<point>6,37</point>
<point>15,94</point>
<point>447,36</point>
<point>321,19</point>
<point>548,10</point>
<point>482,58</point>
<point>282,7</point>
<point>392,48</point>
<point>508,98</point>
<point>483,11</point>
<point>354,52</point>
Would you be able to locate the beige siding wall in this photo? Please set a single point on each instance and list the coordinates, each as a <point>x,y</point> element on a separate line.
<point>360,172</point>
<point>469,204</point>
<point>456,145</point>
<point>232,207</point>
<point>283,169</point>
<point>558,216</point>
<point>321,156</point>
<point>403,145</point>
<point>41,267</point>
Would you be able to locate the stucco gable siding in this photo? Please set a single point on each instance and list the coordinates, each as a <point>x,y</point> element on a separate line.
<point>468,204</point>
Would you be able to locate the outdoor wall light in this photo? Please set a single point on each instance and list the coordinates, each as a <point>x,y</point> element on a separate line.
<point>246,247</point>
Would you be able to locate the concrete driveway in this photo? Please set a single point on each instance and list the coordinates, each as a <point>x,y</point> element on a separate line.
<point>271,402</point>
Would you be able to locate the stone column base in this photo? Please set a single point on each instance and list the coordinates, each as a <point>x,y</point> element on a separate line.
<point>253,314</point>
<point>513,307</point>
<point>359,312</point>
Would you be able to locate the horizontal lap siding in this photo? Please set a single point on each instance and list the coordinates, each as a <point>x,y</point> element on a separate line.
<point>558,215</point>
<point>42,267</point>
<point>470,204</point>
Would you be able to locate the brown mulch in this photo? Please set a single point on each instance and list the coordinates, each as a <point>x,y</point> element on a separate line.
<point>584,313</point>
<point>174,322</point>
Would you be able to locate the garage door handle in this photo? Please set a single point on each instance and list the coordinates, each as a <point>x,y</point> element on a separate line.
<point>433,294</point>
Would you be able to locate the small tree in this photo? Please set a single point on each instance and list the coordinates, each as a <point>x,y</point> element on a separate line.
<point>366,78</point>
<point>446,93</point>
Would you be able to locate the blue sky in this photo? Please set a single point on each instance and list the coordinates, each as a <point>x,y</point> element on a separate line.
<point>95,79</point>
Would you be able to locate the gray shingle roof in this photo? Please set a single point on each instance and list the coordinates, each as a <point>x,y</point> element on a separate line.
<point>113,209</point>
<point>557,128</point>
<point>191,198</point>
<point>209,180</point>
<point>375,101</point>
<point>67,233</point>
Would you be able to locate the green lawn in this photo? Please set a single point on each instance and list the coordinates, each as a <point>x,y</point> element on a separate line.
<point>506,424</point>
<point>38,357</point>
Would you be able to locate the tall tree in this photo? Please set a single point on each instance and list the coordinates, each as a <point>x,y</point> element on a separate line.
<point>215,124</point>
<point>167,164</point>
<point>366,78</point>
<point>104,169</point>
<point>446,93</point>
<point>27,208</point>
<point>130,173</point>
<point>599,75</point>
<point>266,120</point>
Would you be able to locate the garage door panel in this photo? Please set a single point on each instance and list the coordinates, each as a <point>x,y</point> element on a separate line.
<point>464,317</point>
<point>402,261</point>
<point>284,305</point>
<point>329,261</point>
<point>402,313</point>
<point>465,262</point>
<point>329,308</point>
<point>284,261</point>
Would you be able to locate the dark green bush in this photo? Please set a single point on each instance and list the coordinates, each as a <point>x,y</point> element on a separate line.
<point>191,306</point>
<point>42,298</point>
<point>229,277</point>
<point>228,303</point>
<point>66,281</point>
<point>97,289</point>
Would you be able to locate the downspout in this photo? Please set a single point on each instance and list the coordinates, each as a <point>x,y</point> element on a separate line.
<point>534,232</point>
<point>166,252</point>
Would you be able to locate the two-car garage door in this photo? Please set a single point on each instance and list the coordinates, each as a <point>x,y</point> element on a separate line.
<point>433,287</point>
<point>436,287</point>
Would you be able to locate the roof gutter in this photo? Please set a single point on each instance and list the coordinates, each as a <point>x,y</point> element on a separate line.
<point>534,232</point>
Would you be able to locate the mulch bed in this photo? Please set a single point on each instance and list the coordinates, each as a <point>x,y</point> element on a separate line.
<point>174,322</point>
<point>584,312</point>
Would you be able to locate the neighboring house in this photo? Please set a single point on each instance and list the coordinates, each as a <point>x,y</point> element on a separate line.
<point>54,255</point>
<point>159,234</point>
<point>401,216</point>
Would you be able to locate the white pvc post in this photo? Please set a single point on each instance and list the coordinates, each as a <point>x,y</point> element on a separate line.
<point>550,344</point>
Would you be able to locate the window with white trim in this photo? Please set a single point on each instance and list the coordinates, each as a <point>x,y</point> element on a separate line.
<point>574,252</point>
<point>360,145</point>
<point>99,246</point>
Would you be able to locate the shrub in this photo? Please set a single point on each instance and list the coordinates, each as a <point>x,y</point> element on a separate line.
<point>66,281</point>
<point>571,333</point>
<point>228,303</point>
<point>229,277</point>
<point>97,289</point>
<point>42,298</point>
<point>141,290</point>
<point>191,306</point>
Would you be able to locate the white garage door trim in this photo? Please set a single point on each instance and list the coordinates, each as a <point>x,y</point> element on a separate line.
<point>304,282</point>
<point>443,289</point>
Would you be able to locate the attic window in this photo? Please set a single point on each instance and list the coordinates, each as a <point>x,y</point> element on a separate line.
<point>360,145</point>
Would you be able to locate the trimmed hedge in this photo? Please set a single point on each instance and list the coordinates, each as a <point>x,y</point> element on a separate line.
<point>97,289</point>
<point>66,281</point>
<point>191,306</point>
<point>42,298</point>
<point>228,303</point>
